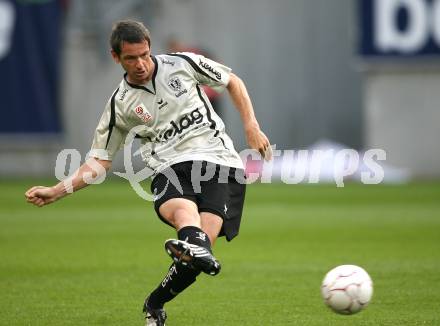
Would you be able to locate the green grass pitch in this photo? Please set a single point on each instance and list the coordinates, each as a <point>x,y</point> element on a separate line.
<point>91,258</point>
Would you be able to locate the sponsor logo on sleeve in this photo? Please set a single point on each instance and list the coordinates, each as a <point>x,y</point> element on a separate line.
<point>211,69</point>
<point>167,62</point>
<point>123,93</point>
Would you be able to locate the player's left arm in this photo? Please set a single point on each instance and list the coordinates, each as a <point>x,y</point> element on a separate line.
<point>256,139</point>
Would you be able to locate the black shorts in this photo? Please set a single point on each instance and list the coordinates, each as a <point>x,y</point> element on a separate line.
<point>213,188</point>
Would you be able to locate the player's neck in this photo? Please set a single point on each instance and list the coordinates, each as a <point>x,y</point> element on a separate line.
<point>138,82</point>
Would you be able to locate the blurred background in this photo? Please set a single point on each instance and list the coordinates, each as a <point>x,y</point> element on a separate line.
<point>353,73</point>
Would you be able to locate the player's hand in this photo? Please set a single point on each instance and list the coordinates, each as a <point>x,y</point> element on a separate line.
<point>40,196</point>
<point>258,140</point>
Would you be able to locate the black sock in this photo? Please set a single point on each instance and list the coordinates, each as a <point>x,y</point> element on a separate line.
<point>194,235</point>
<point>179,277</point>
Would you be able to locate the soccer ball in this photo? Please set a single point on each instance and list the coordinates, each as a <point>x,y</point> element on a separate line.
<point>347,289</point>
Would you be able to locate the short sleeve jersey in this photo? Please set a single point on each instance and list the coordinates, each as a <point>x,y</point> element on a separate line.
<point>171,115</point>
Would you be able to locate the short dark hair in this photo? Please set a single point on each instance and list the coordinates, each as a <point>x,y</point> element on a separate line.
<point>128,31</point>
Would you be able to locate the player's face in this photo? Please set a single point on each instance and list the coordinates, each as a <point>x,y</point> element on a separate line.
<point>136,61</point>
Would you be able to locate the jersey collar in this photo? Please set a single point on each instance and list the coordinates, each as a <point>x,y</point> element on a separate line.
<point>153,79</point>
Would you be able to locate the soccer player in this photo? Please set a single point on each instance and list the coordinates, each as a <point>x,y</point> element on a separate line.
<point>198,176</point>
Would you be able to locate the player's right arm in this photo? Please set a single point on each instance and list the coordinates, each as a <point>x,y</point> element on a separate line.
<point>107,141</point>
<point>90,170</point>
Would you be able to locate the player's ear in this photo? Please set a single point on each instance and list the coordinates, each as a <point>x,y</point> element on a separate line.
<point>115,56</point>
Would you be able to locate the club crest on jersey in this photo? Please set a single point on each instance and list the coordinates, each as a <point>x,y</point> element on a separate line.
<point>142,113</point>
<point>176,85</point>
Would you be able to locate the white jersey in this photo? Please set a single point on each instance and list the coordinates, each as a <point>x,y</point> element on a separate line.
<point>170,114</point>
